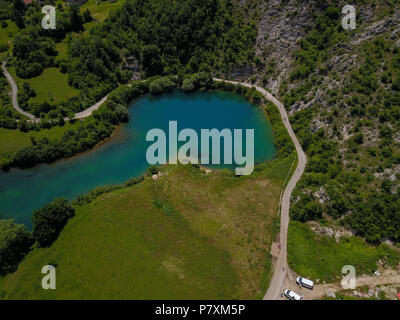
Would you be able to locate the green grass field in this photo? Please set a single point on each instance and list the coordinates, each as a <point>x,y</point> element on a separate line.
<point>187,235</point>
<point>321,257</point>
<point>7,34</point>
<point>100,9</point>
<point>51,86</point>
<point>61,48</point>
<point>14,140</point>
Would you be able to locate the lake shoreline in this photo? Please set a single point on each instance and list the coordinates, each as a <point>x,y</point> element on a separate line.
<point>122,155</point>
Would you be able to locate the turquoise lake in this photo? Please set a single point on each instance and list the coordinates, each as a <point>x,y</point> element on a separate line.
<point>124,155</point>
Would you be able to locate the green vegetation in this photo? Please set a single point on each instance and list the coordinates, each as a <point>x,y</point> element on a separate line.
<point>321,257</point>
<point>61,48</point>
<point>15,242</point>
<point>190,37</point>
<point>17,139</point>
<point>216,220</point>
<point>340,296</point>
<point>167,38</point>
<point>209,244</point>
<point>349,295</point>
<point>8,30</point>
<point>366,100</point>
<point>33,54</point>
<point>88,134</point>
<point>83,135</point>
<point>50,220</point>
<point>63,71</point>
<point>8,115</point>
<point>100,9</point>
<point>27,148</point>
<point>36,51</point>
<point>51,86</point>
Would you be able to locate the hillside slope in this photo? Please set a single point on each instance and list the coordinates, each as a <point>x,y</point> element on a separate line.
<point>342,91</point>
<point>209,244</point>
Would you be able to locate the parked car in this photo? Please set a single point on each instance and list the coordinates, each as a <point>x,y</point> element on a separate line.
<point>306,283</point>
<point>291,295</point>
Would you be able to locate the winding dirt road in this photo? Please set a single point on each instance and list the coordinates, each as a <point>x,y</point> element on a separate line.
<point>14,93</point>
<point>87,112</point>
<point>282,270</point>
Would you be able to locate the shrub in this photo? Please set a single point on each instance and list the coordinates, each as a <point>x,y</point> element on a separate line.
<point>161,85</point>
<point>134,181</point>
<point>187,85</point>
<point>153,170</point>
<point>121,113</point>
<point>359,138</point>
<point>15,242</point>
<point>50,220</point>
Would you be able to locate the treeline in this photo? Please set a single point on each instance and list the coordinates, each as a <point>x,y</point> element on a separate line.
<point>250,94</point>
<point>166,37</point>
<point>34,47</point>
<point>48,222</point>
<point>97,128</point>
<point>115,111</point>
<point>16,241</point>
<point>156,85</point>
<point>33,53</point>
<point>283,143</point>
<point>8,115</point>
<point>88,134</point>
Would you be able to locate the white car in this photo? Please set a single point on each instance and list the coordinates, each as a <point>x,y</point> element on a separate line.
<point>306,283</point>
<point>292,295</point>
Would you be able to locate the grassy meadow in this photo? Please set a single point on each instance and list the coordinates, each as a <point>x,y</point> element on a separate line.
<point>100,9</point>
<point>320,257</point>
<point>186,235</point>
<point>8,32</point>
<point>61,48</point>
<point>51,86</point>
<point>14,140</point>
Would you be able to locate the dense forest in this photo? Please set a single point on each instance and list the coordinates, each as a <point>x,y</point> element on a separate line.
<point>367,101</point>
<point>164,37</point>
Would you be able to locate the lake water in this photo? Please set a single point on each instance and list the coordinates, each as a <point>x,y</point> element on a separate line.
<point>124,155</point>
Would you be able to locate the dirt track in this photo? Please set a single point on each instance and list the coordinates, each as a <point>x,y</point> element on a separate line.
<point>282,271</point>
<point>386,278</point>
<point>14,92</point>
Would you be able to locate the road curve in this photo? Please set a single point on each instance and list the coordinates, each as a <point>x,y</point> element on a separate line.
<point>281,266</point>
<point>83,114</point>
<point>87,112</point>
<point>14,93</point>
